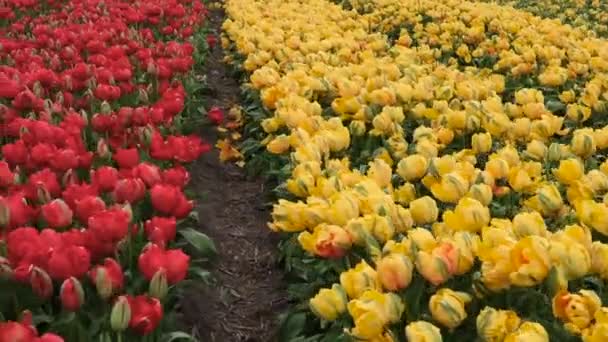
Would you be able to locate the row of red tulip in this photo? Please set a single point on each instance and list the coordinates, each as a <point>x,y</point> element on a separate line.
<point>92,171</point>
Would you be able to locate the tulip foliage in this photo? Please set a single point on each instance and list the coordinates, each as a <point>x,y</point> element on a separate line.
<point>95,99</point>
<point>441,166</point>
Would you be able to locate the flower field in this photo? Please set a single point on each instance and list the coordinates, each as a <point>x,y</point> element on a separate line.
<point>440,165</point>
<point>97,108</point>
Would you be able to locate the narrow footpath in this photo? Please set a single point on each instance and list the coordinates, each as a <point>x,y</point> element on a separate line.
<point>248,293</point>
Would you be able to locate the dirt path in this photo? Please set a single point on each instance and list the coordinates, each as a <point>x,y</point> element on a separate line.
<point>244,304</point>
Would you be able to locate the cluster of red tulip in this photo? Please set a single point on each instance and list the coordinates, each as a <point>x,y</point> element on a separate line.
<point>91,170</point>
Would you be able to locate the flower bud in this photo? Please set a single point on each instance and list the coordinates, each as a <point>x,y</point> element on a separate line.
<point>329,304</point>
<point>105,108</point>
<point>142,96</point>
<point>395,272</point>
<point>121,314</point>
<point>158,285</point>
<point>85,116</point>
<point>103,284</point>
<point>6,272</point>
<point>5,213</point>
<point>71,294</point>
<point>42,193</point>
<point>448,307</point>
<point>41,283</point>
<point>555,152</point>
<point>357,128</point>
<point>583,144</point>
<point>482,142</point>
<point>37,89</point>
<point>69,177</point>
<point>102,149</point>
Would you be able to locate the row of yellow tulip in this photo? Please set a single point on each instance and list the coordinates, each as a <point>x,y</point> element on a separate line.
<point>589,14</point>
<point>480,139</point>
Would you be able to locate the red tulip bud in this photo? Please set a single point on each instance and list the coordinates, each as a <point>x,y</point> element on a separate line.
<point>42,193</point>
<point>37,89</point>
<point>158,285</point>
<point>85,116</point>
<point>41,283</point>
<point>142,96</point>
<point>71,294</point>
<point>69,177</point>
<point>121,314</point>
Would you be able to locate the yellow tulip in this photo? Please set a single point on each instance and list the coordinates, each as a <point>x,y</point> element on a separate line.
<point>481,142</point>
<point>520,180</point>
<point>440,264</point>
<point>422,331</point>
<point>357,280</point>
<point>576,310</point>
<point>327,241</point>
<point>288,216</point>
<point>536,150</point>
<point>427,148</point>
<point>357,128</point>
<point>412,167</point>
<point>578,112</point>
<point>532,223</point>
<point>372,311</point>
<point>380,172</point>
<point>448,307</point>
<point>468,247</point>
<point>549,199</point>
<point>278,145</point>
<point>469,215</point>
<point>451,188</point>
<point>395,272</point>
<point>597,181</point>
<point>583,144</point>
<point>598,332</point>
<point>530,261</point>
<point>344,207</point>
<point>424,210</point>
<point>599,259</point>
<point>498,168</point>
<point>482,193</point>
<point>593,214</point>
<point>329,304</point>
<point>422,239</point>
<point>528,332</point>
<point>494,325</point>
<point>569,171</point>
<point>405,194</point>
<point>571,258</point>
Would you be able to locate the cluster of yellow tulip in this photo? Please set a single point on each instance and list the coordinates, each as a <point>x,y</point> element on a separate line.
<point>455,139</point>
<point>580,13</point>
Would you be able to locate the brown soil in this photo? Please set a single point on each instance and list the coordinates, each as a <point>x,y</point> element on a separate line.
<point>248,292</point>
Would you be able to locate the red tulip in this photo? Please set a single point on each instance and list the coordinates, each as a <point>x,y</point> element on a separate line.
<point>211,40</point>
<point>146,313</point>
<point>75,192</point>
<point>129,190</point>
<point>20,212</point>
<point>57,214</point>
<point>89,206</point>
<point>108,278</point>
<point>41,283</point>
<point>105,178</point>
<point>174,261</point>
<point>216,115</point>
<point>126,158</point>
<point>177,176</point>
<point>149,173</point>
<point>110,225</point>
<point>71,294</point>
<point>72,261</point>
<point>170,200</point>
<point>160,230</point>
<point>15,153</point>
<point>64,159</point>
<point>45,180</point>
<point>7,177</point>
<point>9,88</point>
<point>17,332</point>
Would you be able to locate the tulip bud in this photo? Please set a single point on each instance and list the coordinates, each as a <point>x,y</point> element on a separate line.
<point>102,149</point>
<point>84,115</point>
<point>147,135</point>
<point>121,314</point>
<point>6,272</point>
<point>152,69</point>
<point>59,97</point>
<point>105,108</point>
<point>357,127</point>
<point>482,142</point>
<point>142,96</point>
<point>69,177</point>
<point>71,294</point>
<point>41,283</point>
<point>103,283</point>
<point>48,105</point>
<point>555,152</point>
<point>37,89</point>
<point>5,213</point>
<point>158,285</point>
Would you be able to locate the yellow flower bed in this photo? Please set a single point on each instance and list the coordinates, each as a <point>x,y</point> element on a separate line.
<point>447,140</point>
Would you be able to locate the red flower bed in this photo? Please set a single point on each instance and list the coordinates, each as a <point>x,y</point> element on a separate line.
<point>93,94</point>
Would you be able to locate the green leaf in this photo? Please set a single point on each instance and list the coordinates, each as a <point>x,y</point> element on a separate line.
<point>202,274</point>
<point>199,241</point>
<point>177,336</point>
<point>292,326</point>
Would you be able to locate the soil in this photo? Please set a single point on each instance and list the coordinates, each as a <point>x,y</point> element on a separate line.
<point>248,292</point>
